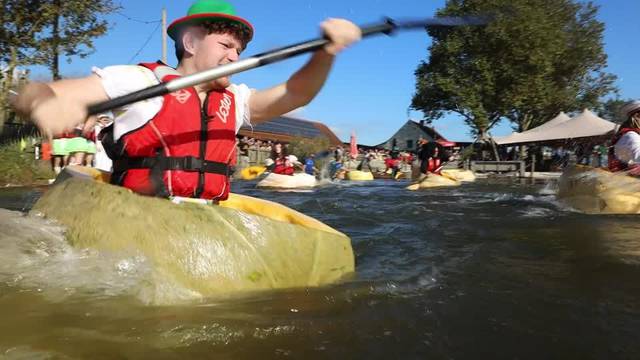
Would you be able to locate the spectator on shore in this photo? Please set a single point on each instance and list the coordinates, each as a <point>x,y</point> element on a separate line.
<point>102,160</point>
<point>243,146</point>
<point>60,152</point>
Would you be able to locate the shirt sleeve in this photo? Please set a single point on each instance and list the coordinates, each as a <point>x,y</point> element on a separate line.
<point>242,95</point>
<point>124,79</point>
<point>628,148</point>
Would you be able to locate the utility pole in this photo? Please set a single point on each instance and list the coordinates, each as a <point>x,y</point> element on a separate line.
<point>164,35</point>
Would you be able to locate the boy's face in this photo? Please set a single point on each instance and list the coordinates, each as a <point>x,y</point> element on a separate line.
<point>214,50</point>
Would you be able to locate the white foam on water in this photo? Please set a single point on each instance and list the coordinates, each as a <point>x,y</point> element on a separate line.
<point>408,287</point>
<point>550,188</point>
<point>294,190</point>
<point>326,181</point>
<point>29,352</point>
<point>537,212</point>
<point>214,334</point>
<point>35,256</point>
<point>218,334</point>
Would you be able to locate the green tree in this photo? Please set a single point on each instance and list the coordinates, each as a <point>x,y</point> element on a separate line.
<point>41,31</point>
<point>533,60</point>
<point>610,110</point>
<point>303,147</point>
<point>71,26</point>
<point>20,21</point>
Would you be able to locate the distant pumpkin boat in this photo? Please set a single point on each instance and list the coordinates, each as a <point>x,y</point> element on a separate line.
<point>598,191</point>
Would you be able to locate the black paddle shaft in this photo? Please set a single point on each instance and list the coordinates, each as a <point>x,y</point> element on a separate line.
<point>386,27</point>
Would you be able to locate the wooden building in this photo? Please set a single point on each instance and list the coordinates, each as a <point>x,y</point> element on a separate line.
<point>406,138</point>
<point>285,128</point>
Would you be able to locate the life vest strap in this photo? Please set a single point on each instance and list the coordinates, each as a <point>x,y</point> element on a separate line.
<point>186,163</point>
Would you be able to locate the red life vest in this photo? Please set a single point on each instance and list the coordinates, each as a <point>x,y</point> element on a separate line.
<point>434,165</point>
<point>614,163</point>
<point>281,167</point>
<point>187,149</point>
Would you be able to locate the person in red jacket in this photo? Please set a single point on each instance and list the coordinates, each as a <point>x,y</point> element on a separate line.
<point>429,155</point>
<point>281,163</point>
<point>183,144</point>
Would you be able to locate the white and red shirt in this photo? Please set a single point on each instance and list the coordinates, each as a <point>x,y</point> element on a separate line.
<point>627,149</point>
<point>121,80</point>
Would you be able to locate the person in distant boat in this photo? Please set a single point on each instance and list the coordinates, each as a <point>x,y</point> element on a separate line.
<point>430,155</point>
<point>624,153</point>
<point>336,170</point>
<point>183,144</point>
<point>283,163</point>
<point>279,157</point>
<point>366,161</point>
<point>310,165</point>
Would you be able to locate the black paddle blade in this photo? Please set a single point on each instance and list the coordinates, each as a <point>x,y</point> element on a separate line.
<point>449,21</point>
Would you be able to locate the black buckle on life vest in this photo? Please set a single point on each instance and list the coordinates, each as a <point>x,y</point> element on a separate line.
<point>192,163</point>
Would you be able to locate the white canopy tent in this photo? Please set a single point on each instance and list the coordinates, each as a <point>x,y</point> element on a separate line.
<point>562,117</point>
<point>587,124</point>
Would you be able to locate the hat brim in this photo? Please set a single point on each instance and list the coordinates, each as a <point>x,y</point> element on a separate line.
<point>633,110</point>
<point>174,28</point>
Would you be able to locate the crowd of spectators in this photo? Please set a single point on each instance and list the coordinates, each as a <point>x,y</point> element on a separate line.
<point>381,162</point>
<point>246,143</point>
<point>81,148</point>
<point>555,158</point>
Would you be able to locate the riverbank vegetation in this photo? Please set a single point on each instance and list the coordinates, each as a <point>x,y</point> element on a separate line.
<point>18,165</point>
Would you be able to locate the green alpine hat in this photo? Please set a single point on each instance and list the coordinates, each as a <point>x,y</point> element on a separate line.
<point>208,10</point>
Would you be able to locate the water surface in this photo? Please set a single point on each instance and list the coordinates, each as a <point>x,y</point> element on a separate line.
<point>494,269</point>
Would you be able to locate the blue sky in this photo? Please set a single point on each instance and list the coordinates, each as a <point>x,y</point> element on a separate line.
<point>370,88</point>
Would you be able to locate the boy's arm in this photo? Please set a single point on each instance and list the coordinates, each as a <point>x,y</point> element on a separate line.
<point>305,84</point>
<point>59,106</point>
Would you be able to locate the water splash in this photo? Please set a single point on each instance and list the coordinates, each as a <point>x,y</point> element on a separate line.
<point>35,256</point>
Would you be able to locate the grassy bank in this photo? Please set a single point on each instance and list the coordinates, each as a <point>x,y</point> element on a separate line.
<point>18,166</point>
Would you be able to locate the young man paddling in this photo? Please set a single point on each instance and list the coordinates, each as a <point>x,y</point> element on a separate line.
<point>183,143</point>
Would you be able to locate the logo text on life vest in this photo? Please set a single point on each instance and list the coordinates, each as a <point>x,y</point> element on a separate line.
<point>181,95</point>
<point>224,108</point>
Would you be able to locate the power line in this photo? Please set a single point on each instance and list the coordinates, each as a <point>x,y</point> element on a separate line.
<point>145,43</point>
<point>137,20</point>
